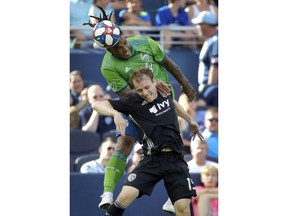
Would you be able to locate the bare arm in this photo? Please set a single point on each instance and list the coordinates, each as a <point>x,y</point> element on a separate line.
<point>203,200</point>
<point>181,120</point>
<point>183,114</point>
<point>203,203</point>
<point>92,124</point>
<point>83,101</point>
<point>213,75</point>
<point>179,76</point>
<point>132,19</point>
<point>207,190</point>
<point>106,109</point>
<point>80,105</point>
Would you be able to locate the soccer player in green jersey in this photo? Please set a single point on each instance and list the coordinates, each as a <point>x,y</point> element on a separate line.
<point>123,56</point>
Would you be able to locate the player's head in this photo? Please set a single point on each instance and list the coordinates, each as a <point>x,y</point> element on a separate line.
<point>108,35</point>
<point>122,49</point>
<point>143,81</point>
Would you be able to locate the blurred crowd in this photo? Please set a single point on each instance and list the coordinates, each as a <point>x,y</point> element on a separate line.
<point>142,13</point>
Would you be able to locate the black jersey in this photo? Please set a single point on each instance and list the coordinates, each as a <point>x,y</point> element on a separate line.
<point>156,121</point>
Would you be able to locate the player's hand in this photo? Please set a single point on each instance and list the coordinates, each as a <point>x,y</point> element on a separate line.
<point>189,91</point>
<point>120,123</point>
<point>163,88</point>
<point>195,130</point>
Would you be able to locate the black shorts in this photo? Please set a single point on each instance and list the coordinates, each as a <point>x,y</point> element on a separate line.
<point>170,167</point>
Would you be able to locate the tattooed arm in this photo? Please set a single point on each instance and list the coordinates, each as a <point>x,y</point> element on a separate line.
<point>175,71</point>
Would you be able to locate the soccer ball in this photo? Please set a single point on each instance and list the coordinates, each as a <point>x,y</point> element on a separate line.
<point>106,34</point>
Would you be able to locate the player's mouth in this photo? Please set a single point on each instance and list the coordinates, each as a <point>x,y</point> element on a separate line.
<point>126,55</point>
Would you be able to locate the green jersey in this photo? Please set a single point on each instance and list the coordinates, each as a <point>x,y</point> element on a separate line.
<point>145,52</point>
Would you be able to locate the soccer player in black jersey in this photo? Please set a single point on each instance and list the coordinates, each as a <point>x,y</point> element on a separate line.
<point>156,119</point>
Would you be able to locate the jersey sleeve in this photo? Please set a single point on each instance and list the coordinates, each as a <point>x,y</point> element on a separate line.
<point>114,80</point>
<point>121,104</point>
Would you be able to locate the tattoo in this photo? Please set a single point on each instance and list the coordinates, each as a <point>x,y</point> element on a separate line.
<point>174,70</point>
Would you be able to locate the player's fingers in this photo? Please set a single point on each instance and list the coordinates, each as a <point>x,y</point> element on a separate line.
<point>122,129</point>
<point>193,137</point>
<point>200,136</point>
<point>191,97</point>
<point>163,91</point>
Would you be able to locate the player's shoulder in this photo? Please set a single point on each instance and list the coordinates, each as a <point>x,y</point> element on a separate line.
<point>132,97</point>
<point>107,55</point>
<point>132,93</point>
<point>107,61</point>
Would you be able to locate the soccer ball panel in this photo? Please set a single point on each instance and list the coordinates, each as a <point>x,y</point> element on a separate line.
<point>99,31</point>
<point>106,33</point>
<point>116,31</point>
<point>109,40</point>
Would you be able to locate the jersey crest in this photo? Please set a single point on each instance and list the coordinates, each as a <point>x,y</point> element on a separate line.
<point>144,57</point>
<point>153,109</point>
<point>131,177</point>
<point>113,86</point>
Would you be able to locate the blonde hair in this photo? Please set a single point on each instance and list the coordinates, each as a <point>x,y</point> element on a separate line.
<point>209,169</point>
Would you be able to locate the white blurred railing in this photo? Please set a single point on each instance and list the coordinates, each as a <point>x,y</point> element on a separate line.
<point>156,32</point>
